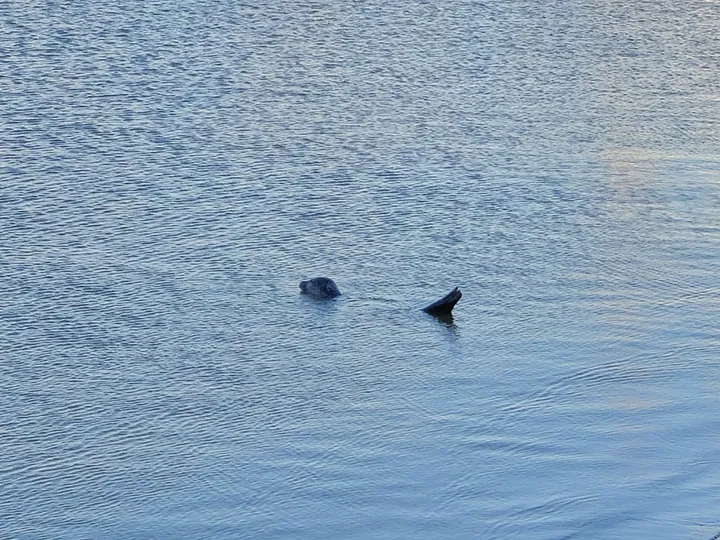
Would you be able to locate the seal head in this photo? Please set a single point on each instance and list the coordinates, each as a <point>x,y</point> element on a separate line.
<point>320,287</point>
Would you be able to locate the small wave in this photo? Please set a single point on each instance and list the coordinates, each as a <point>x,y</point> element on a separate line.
<point>634,369</point>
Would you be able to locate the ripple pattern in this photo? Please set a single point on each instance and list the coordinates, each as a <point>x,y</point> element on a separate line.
<point>169,173</point>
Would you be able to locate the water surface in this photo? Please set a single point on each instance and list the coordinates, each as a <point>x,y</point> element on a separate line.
<point>169,173</point>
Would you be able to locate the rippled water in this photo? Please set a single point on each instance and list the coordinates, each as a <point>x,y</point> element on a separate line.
<point>170,171</point>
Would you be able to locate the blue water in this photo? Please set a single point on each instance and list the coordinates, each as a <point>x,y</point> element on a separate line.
<point>169,172</point>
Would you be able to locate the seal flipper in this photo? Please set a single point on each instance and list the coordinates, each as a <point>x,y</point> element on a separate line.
<point>445,305</point>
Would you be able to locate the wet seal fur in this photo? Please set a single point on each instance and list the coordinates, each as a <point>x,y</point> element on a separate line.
<point>320,287</point>
<point>324,288</point>
<point>445,305</point>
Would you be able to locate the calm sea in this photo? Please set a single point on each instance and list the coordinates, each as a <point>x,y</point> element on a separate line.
<point>169,172</point>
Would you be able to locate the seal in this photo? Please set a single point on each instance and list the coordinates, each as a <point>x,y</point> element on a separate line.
<point>320,287</point>
<point>324,288</point>
<point>445,305</point>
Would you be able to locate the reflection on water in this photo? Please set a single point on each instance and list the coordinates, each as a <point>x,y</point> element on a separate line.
<point>447,319</point>
<point>171,173</point>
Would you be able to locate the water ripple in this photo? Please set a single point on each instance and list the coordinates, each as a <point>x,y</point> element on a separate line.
<point>170,173</point>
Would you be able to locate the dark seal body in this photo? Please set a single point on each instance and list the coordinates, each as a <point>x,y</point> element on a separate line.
<point>320,287</point>
<point>445,305</point>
